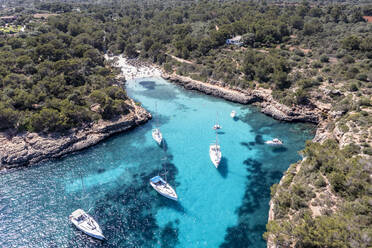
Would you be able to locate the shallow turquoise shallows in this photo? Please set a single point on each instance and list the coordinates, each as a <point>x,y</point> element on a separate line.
<point>224,207</point>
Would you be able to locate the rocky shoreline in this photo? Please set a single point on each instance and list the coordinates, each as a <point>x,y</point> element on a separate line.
<point>30,148</point>
<point>261,98</point>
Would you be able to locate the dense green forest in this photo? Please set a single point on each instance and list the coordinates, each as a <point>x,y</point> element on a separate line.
<point>275,54</point>
<point>51,76</point>
<point>307,54</point>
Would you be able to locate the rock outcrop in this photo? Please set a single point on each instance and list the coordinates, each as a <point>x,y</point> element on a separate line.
<point>261,98</point>
<point>28,148</point>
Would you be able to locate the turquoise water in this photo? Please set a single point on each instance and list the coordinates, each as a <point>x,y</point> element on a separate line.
<point>227,207</point>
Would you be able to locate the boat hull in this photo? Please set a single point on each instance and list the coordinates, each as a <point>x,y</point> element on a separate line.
<point>97,236</point>
<point>158,137</point>
<point>172,195</point>
<point>96,232</point>
<point>215,158</point>
<point>165,195</point>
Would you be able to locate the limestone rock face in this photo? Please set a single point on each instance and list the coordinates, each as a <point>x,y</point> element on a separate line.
<point>28,148</point>
<point>261,98</point>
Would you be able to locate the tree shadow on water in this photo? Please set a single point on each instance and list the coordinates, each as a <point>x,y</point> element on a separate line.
<point>259,140</point>
<point>169,235</point>
<point>149,85</point>
<point>168,203</point>
<point>223,168</point>
<point>280,149</point>
<point>164,145</point>
<point>247,233</point>
<point>247,145</point>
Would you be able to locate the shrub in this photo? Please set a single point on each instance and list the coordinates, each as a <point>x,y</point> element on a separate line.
<point>316,64</point>
<point>324,59</point>
<point>365,101</point>
<point>299,52</point>
<point>351,43</point>
<point>301,97</point>
<point>343,127</point>
<point>348,59</point>
<point>368,151</point>
<point>353,87</point>
<point>320,182</point>
<point>350,150</point>
<point>362,77</point>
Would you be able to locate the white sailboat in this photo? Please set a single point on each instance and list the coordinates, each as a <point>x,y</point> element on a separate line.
<point>215,153</point>
<point>85,223</point>
<point>162,186</point>
<point>233,114</point>
<point>275,141</point>
<point>217,126</point>
<point>156,134</point>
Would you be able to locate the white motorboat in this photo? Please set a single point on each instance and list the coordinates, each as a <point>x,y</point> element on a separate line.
<point>233,114</point>
<point>163,188</point>
<point>157,136</point>
<point>274,142</point>
<point>215,154</point>
<point>86,224</point>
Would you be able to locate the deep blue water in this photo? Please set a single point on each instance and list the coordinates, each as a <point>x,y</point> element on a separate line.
<point>227,207</point>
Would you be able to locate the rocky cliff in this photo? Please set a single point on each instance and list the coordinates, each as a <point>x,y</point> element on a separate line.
<point>261,98</point>
<point>28,148</point>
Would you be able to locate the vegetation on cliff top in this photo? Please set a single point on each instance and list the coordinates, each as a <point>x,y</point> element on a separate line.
<point>52,77</point>
<point>327,197</point>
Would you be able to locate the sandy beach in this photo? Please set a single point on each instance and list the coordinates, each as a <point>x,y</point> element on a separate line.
<point>134,68</point>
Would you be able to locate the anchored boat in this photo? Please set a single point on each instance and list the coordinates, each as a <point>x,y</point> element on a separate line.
<point>215,153</point>
<point>157,136</point>
<point>86,224</point>
<point>274,142</point>
<point>163,188</point>
<point>217,126</point>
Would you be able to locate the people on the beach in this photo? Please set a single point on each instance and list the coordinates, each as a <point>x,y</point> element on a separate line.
<point>134,68</point>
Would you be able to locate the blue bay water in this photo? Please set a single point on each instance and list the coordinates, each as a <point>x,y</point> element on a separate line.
<point>227,207</point>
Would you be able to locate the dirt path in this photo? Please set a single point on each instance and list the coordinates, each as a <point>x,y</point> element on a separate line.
<point>181,60</point>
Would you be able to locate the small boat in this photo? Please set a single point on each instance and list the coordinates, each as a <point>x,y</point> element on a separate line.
<point>217,126</point>
<point>274,142</point>
<point>215,153</point>
<point>233,114</point>
<point>157,136</point>
<point>85,223</point>
<point>163,188</point>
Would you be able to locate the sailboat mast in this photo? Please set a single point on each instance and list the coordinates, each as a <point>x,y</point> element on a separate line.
<point>165,163</point>
<point>156,112</point>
